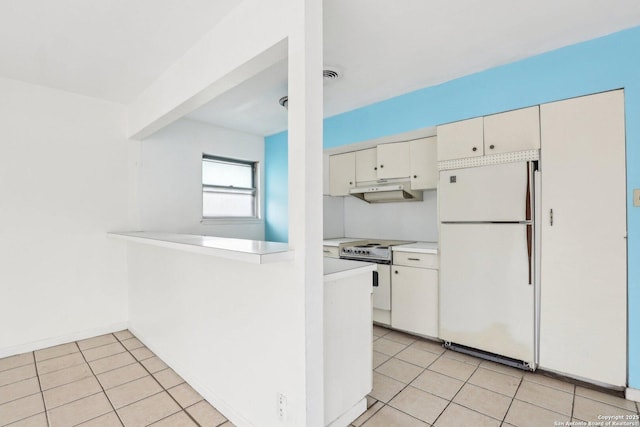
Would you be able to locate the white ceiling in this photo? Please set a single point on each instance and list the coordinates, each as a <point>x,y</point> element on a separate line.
<point>113,49</point>
<point>108,49</point>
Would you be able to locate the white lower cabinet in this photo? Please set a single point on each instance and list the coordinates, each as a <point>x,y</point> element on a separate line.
<point>414,294</point>
<point>382,296</point>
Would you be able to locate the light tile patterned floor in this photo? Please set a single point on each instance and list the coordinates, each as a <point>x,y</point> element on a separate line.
<point>114,380</point>
<point>417,382</point>
<point>110,380</point>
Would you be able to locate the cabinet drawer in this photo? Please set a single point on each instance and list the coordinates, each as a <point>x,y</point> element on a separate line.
<point>331,251</point>
<point>412,259</point>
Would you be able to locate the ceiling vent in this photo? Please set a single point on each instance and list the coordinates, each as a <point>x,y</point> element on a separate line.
<point>328,75</point>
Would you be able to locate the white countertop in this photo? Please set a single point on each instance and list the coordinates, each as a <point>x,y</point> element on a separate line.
<point>335,268</point>
<point>254,251</point>
<point>337,242</point>
<point>418,247</point>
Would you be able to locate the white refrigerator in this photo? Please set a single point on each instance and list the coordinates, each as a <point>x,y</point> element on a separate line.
<point>487,263</point>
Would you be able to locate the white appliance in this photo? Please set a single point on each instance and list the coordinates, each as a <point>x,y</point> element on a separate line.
<point>487,261</point>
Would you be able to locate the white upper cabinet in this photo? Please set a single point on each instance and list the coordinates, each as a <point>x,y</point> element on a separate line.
<point>342,173</point>
<point>394,160</point>
<point>461,139</point>
<point>423,158</point>
<point>515,130</point>
<point>366,165</point>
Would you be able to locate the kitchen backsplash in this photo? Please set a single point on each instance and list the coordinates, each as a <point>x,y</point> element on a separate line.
<point>351,217</point>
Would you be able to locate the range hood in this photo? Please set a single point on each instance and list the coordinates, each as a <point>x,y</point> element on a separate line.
<point>385,193</point>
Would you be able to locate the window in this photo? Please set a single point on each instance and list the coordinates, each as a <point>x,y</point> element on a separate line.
<point>229,188</point>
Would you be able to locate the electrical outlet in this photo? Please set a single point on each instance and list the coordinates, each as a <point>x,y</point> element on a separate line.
<point>636,197</point>
<point>282,406</point>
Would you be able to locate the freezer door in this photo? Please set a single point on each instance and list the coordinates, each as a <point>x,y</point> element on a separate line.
<point>484,193</point>
<point>486,301</point>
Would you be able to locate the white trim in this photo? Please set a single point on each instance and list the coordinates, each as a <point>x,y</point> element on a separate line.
<point>351,415</point>
<point>227,221</point>
<point>62,339</point>
<point>632,394</point>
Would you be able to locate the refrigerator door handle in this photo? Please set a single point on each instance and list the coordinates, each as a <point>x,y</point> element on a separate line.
<point>530,251</point>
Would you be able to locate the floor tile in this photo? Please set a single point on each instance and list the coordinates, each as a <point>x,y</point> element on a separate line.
<point>456,416</point>
<point>400,337</point>
<point>438,384</point>
<point>206,415</point>
<point>61,362</point>
<point>154,364</point>
<point>379,331</point>
<point>459,370</point>
<point>142,353</point>
<point>64,376</point>
<point>419,404</point>
<point>132,343</point>
<point>58,350</point>
<point>181,419</point>
<point>68,393</point>
<point>589,410</point>
<point>168,378</point>
<point>495,381</point>
<point>79,411</point>
<point>18,390</point>
<point>370,401</point>
<point>19,373</point>
<point>185,395</point>
<point>503,369</point>
<point>123,335</point>
<point>484,401</point>
<point>38,420</point>
<point>96,341</point>
<point>379,359</point>
<point>133,391</point>
<point>21,408</point>
<point>367,414</point>
<point>111,362</point>
<point>388,347</point>
<point>461,357</point>
<point>391,417</point>
<point>385,388</point>
<point>103,351</point>
<point>16,361</point>
<point>110,419</point>
<point>546,397</point>
<point>430,346</point>
<point>149,410</point>
<point>399,370</point>
<point>122,375</point>
<point>606,398</point>
<point>227,424</point>
<point>549,382</point>
<point>417,357</point>
<point>522,414</point>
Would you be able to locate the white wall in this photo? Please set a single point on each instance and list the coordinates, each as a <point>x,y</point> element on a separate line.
<point>403,220</point>
<point>170,178</point>
<point>231,329</point>
<point>333,217</point>
<point>63,185</point>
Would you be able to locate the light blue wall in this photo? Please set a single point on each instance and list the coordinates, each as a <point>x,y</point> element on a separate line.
<point>606,63</point>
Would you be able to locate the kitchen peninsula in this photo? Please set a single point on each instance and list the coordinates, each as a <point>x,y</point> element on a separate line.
<point>230,300</point>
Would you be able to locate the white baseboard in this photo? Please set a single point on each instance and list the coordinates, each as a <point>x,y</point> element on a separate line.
<point>351,415</point>
<point>632,394</point>
<point>62,339</point>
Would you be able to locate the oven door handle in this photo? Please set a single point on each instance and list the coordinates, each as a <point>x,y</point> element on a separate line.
<point>375,279</point>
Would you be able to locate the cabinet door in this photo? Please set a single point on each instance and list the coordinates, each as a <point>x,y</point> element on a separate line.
<point>382,292</point>
<point>512,131</point>
<point>460,139</point>
<point>366,165</point>
<point>394,160</point>
<point>342,174</point>
<point>583,267</point>
<point>414,301</point>
<point>423,158</point>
